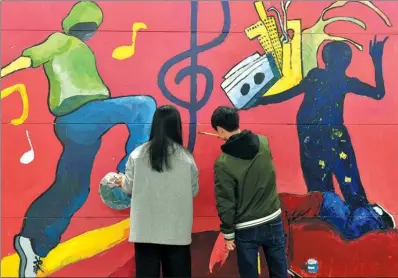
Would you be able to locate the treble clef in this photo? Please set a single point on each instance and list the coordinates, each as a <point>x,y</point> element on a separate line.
<point>194,69</point>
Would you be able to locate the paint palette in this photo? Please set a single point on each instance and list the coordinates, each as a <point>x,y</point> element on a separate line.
<point>113,196</point>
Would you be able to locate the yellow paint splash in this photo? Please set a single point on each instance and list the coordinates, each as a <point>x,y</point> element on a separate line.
<point>322,164</point>
<point>314,36</point>
<point>347,179</point>
<point>76,249</point>
<point>21,89</point>
<point>126,51</point>
<point>336,133</point>
<point>343,155</point>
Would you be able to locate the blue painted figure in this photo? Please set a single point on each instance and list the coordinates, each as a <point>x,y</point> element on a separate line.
<point>84,112</point>
<point>325,144</point>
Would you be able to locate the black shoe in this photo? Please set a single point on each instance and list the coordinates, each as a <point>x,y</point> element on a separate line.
<point>292,273</point>
<point>386,217</point>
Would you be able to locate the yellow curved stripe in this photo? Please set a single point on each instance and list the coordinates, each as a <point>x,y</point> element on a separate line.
<point>25,102</point>
<point>76,249</point>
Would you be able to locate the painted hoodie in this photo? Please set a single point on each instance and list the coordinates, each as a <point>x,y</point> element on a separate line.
<point>69,63</point>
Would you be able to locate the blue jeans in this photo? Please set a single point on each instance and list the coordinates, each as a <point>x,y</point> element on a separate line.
<point>351,223</point>
<point>271,238</point>
<point>80,133</point>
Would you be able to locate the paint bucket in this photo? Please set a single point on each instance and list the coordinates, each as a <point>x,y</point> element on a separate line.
<point>312,266</point>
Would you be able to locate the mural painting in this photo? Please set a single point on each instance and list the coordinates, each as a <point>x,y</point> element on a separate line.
<point>89,76</point>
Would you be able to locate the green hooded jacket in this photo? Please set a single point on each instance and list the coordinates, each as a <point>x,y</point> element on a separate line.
<point>69,63</point>
<point>245,184</point>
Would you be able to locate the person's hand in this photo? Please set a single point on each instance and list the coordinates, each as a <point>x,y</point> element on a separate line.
<point>219,254</point>
<point>230,244</point>
<point>376,49</point>
<point>113,180</point>
<point>118,181</point>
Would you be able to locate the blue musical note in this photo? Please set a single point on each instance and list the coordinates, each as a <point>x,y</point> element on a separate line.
<point>193,70</point>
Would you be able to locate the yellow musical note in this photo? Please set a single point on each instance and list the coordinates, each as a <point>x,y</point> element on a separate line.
<point>126,51</point>
<point>25,102</point>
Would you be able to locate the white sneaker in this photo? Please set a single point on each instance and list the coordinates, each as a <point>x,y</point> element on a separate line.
<point>30,263</point>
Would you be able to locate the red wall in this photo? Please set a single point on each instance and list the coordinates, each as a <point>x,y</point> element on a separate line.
<point>371,124</point>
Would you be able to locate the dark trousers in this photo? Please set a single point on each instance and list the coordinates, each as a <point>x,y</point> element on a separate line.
<point>271,238</point>
<point>174,260</point>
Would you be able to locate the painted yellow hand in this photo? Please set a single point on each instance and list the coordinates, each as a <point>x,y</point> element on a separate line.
<point>25,102</point>
<point>314,36</point>
<point>18,64</point>
<point>126,51</point>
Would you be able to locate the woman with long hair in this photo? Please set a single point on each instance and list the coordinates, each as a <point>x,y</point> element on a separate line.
<point>162,178</point>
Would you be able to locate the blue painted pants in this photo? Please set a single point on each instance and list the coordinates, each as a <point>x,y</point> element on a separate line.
<point>80,133</point>
<point>351,223</point>
<point>326,151</point>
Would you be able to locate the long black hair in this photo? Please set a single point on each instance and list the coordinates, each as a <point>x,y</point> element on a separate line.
<point>166,130</point>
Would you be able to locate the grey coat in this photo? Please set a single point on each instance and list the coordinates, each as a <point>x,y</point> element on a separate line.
<point>161,203</point>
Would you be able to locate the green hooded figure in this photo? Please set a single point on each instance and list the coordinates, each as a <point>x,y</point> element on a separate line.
<point>69,63</point>
<point>84,112</point>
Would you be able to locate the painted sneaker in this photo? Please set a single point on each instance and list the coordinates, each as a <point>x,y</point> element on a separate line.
<point>30,264</point>
<point>387,218</point>
<point>292,273</point>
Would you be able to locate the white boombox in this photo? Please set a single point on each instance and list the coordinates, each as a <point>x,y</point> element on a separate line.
<point>248,81</point>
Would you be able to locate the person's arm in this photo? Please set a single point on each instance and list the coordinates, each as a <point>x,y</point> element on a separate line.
<point>37,55</point>
<point>194,179</point>
<point>16,65</point>
<point>127,184</point>
<point>358,87</point>
<point>363,89</point>
<point>226,200</point>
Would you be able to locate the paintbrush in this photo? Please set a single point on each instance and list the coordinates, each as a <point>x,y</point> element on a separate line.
<point>208,133</point>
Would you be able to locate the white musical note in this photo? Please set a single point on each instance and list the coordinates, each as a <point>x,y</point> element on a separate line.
<point>29,156</point>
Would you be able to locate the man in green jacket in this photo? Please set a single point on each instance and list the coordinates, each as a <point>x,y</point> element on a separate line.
<point>247,200</point>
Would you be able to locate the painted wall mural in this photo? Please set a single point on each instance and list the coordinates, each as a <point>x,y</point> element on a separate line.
<point>81,81</point>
